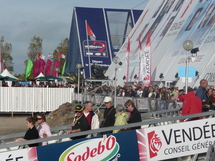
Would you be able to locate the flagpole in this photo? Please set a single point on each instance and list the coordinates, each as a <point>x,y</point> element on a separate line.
<point>88,50</point>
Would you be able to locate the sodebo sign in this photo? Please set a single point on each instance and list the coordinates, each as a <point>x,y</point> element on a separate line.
<point>94,149</point>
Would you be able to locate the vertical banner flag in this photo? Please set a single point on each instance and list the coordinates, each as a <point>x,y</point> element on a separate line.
<point>127,59</point>
<point>60,55</point>
<point>63,69</point>
<point>42,66</point>
<point>147,62</point>
<point>56,66</point>
<point>28,68</point>
<point>140,55</point>
<point>90,32</point>
<point>50,56</point>
<point>48,67</point>
<point>36,68</point>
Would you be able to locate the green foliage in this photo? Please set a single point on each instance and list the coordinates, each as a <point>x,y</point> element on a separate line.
<point>20,76</point>
<point>35,47</point>
<point>6,49</point>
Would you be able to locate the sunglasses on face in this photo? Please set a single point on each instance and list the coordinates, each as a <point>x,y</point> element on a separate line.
<point>39,118</point>
<point>106,102</point>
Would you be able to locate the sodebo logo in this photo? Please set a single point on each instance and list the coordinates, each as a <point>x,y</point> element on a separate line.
<point>90,150</point>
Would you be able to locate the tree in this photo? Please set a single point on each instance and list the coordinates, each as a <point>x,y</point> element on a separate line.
<point>6,49</point>
<point>35,47</point>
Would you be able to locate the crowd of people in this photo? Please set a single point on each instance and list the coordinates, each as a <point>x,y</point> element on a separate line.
<point>197,100</point>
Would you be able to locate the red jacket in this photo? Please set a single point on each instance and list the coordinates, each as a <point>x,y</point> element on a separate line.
<point>192,104</point>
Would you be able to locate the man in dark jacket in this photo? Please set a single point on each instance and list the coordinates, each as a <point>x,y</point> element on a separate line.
<point>135,114</point>
<point>79,123</point>
<point>109,114</point>
<point>201,93</point>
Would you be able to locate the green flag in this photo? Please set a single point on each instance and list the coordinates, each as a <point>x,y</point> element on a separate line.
<point>63,69</point>
<point>28,68</point>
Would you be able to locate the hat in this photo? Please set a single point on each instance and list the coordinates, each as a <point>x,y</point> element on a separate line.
<point>107,99</point>
<point>79,108</point>
<point>120,107</point>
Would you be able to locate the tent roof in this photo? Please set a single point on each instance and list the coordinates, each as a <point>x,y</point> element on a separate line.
<point>40,75</point>
<point>6,73</point>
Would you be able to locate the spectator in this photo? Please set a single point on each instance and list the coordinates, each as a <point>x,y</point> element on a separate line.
<point>191,105</point>
<point>92,117</point>
<point>32,132</point>
<point>134,114</point>
<point>109,114</point>
<point>201,93</point>
<point>121,117</point>
<point>180,95</point>
<point>163,94</point>
<point>152,93</point>
<point>79,123</point>
<point>43,128</point>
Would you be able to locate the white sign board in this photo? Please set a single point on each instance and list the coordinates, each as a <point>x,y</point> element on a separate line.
<point>176,140</point>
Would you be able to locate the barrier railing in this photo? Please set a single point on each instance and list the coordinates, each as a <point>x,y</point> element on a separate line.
<point>58,138</point>
<point>25,99</point>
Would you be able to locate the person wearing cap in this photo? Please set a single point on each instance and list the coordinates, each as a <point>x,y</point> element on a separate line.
<point>121,117</point>
<point>79,123</point>
<point>92,117</point>
<point>134,114</point>
<point>109,114</point>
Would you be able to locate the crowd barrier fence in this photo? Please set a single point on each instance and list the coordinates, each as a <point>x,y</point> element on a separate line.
<point>25,99</point>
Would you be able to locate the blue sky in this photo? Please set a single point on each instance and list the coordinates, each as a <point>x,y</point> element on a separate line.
<point>49,19</point>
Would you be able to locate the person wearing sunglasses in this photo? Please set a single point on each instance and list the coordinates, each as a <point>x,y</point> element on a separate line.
<point>79,123</point>
<point>32,132</point>
<point>135,115</point>
<point>43,128</point>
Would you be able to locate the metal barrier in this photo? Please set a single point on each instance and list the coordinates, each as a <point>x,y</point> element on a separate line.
<point>58,138</point>
<point>210,155</point>
<point>26,99</point>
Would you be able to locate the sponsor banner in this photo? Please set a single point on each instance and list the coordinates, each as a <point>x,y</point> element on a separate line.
<point>116,147</point>
<point>168,141</point>
<point>191,30</point>
<point>140,28</point>
<point>20,155</point>
<point>142,104</point>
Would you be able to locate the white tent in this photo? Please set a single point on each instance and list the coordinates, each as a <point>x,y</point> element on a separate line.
<point>40,75</point>
<point>7,73</point>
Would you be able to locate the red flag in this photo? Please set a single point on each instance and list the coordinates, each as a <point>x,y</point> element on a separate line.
<point>42,66</point>
<point>36,68</point>
<point>56,66</point>
<point>48,67</point>
<point>90,32</point>
<point>127,59</point>
<point>139,42</point>
<point>40,56</point>
<point>60,55</point>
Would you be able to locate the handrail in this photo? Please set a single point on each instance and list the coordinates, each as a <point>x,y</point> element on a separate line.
<point>66,127</point>
<point>145,122</point>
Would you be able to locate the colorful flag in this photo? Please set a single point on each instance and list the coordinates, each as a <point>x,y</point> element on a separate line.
<point>56,68</point>
<point>63,69</point>
<point>42,66</point>
<point>48,67</point>
<point>140,60</point>
<point>36,68</point>
<point>90,32</point>
<point>127,60</point>
<point>60,55</point>
<point>147,62</point>
<point>28,68</point>
<point>50,56</point>
<point>40,56</point>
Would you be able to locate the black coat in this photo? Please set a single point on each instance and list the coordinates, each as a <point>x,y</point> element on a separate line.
<point>135,117</point>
